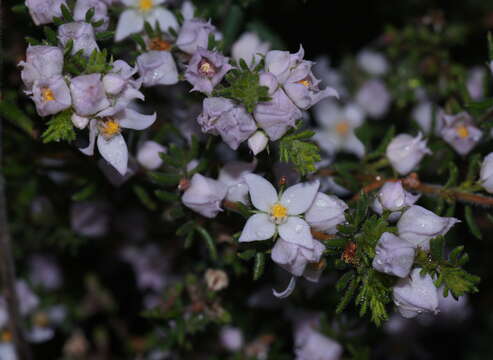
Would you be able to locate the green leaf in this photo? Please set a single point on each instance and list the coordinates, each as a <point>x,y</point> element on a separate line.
<point>243,86</point>
<point>453,175</point>
<point>104,35</point>
<point>259,265</point>
<point>50,35</point>
<point>297,150</point>
<point>166,196</point>
<point>66,13</point>
<point>144,197</point>
<point>211,245</point>
<point>165,178</point>
<point>16,116</point>
<point>60,127</point>
<point>90,15</point>
<point>85,193</point>
<point>473,227</point>
<point>247,254</point>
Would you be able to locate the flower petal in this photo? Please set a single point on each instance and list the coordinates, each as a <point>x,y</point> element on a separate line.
<point>296,231</point>
<point>115,152</point>
<point>283,252</point>
<point>286,292</point>
<point>262,192</point>
<point>164,17</point>
<point>132,119</point>
<point>258,227</point>
<point>93,131</point>
<point>130,22</point>
<point>298,198</point>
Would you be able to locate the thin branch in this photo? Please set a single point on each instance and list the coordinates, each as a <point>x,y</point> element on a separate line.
<point>8,273</point>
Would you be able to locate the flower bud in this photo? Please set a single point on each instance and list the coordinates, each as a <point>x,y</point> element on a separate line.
<point>393,197</point>
<point>157,68</point>
<point>204,195</point>
<point>418,226</point>
<point>486,173</point>
<point>313,345</point>
<point>248,47</point>
<point>43,11</point>
<point>394,256</point>
<point>374,63</point>
<point>415,295</point>
<point>42,62</point>
<point>80,122</point>
<point>258,142</point>
<point>374,98</point>
<point>277,115</point>
<point>231,338</point>
<point>82,35</point>
<point>216,279</point>
<point>148,155</point>
<point>326,212</point>
<point>88,94</point>
<point>194,34</point>
<point>405,152</point>
<point>232,176</point>
<point>100,12</point>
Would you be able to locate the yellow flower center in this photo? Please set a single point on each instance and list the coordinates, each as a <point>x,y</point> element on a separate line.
<point>47,94</point>
<point>6,336</point>
<point>342,128</point>
<point>206,68</point>
<point>145,5</point>
<point>462,131</point>
<point>110,128</point>
<point>305,82</point>
<point>278,212</point>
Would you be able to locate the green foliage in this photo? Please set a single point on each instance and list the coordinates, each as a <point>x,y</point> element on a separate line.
<point>370,289</point>
<point>243,86</point>
<point>299,151</point>
<point>447,270</point>
<point>78,64</point>
<point>11,112</point>
<point>60,127</point>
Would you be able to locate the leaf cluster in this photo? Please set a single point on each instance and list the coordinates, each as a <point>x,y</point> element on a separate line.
<point>298,150</point>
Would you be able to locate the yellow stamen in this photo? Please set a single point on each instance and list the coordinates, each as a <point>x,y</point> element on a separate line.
<point>145,5</point>
<point>462,131</point>
<point>47,94</point>
<point>279,211</point>
<point>109,128</point>
<point>342,128</point>
<point>205,67</point>
<point>305,82</point>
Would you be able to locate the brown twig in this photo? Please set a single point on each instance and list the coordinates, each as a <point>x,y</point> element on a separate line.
<point>8,273</point>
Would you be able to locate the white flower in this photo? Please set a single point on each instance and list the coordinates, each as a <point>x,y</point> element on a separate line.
<point>138,11</point>
<point>42,62</point>
<point>298,260</point>
<point>88,94</point>
<point>204,196</point>
<point>338,125</point>
<point>486,173</point>
<point>187,10</point>
<point>232,176</point>
<point>318,347</point>
<point>415,295</point>
<point>374,63</point>
<point>418,226</point>
<point>51,95</point>
<point>279,214</point>
<point>231,338</point>
<point>110,141</point>
<point>394,256</point>
<point>148,155</point>
<point>393,197</point>
<point>193,34</point>
<point>326,212</point>
<point>249,47</point>
<point>374,98</point>
<point>476,82</point>
<point>82,35</point>
<point>7,351</point>
<point>405,152</point>
<point>157,68</point>
<point>43,11</point>
<point>100,12</point>
<point>460,132</point>
<point>425,116</point>
<point>258,142</point>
